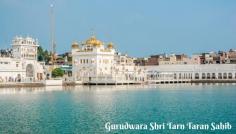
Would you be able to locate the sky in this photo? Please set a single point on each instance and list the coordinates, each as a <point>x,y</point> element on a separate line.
<point>139,28</point>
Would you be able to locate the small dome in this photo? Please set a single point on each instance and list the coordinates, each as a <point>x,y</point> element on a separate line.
<point>110,46</point>
<point>75,45</point>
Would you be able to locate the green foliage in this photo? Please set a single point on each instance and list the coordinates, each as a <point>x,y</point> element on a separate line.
<point>47,56</point>
<point>57,72</point>
<point>40,54</point>
<point>43,55</point>
<point>40,58</point>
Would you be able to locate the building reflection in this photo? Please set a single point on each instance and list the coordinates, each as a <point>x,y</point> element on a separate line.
<point>108,88</point>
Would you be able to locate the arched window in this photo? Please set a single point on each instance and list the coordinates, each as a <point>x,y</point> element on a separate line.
<point>29,70</point>
<point>219,75</point>
<point>230,76</point>
<point>213,76</point>
<point>203,76</point>
<point>225,75</point>
<point>208,76</point>
<point>196,75</point>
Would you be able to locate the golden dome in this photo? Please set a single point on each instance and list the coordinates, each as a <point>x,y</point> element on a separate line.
<point>75,45</point>
<point>93,41</point>
<point>97,43</point>
<point>110,45</point>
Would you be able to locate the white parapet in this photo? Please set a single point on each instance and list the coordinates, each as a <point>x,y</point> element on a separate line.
<point>53,82</point>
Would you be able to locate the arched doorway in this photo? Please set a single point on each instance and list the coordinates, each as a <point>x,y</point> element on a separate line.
<point>30,71</point>
<point>196,75</point>
<point>225,75</point>
<point>213,76</point>
<point>203,76</point>
<point>208,76</point>
<point>219,75</point>
<point>18,78</point>
<point>230,75</point>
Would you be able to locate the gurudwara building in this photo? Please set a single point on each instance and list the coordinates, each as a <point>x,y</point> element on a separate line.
<point>20,64</point>
<point>95,62</point>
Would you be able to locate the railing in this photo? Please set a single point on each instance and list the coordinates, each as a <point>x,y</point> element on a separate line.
<point>192,76</point>
<point>111,79</point>
<point>26,80</point>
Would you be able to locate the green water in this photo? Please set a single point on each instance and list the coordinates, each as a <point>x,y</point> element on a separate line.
<point>87,109</point>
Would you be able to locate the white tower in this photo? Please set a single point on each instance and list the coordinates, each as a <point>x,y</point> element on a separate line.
<point>25,48</point>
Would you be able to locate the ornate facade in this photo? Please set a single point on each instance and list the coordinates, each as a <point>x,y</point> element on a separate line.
<point>97,62</point>
<point>22,65</point>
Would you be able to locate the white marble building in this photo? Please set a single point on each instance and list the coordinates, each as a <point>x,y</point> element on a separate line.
<point>191,73</point>
<point>22,65</point>
<point>96,63</point>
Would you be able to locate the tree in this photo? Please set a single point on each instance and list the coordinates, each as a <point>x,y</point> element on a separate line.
<point>43,55</point>
<point>40,54</point>
<point>57,72</point>
<point>40,58</point>
<point>47,56</point>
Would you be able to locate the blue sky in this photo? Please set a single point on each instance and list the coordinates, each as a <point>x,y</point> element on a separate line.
<point>137,27</point>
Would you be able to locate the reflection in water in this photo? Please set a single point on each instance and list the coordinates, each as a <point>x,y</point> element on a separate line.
<point>24,90</point>
<point>85,109</point>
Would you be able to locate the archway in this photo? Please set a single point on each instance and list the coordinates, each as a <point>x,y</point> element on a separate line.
<point>230,75</point>
<point>213,76</point>
<point>225,75</point>
<point>203,76</point>
<point>29,70</point>
<point>18,79</point>
<point>208,76</point>
<point>219,75</point>
<point>196,75</point>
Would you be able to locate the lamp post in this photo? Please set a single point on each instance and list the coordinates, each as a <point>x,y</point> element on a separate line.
<point>52,34</point>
